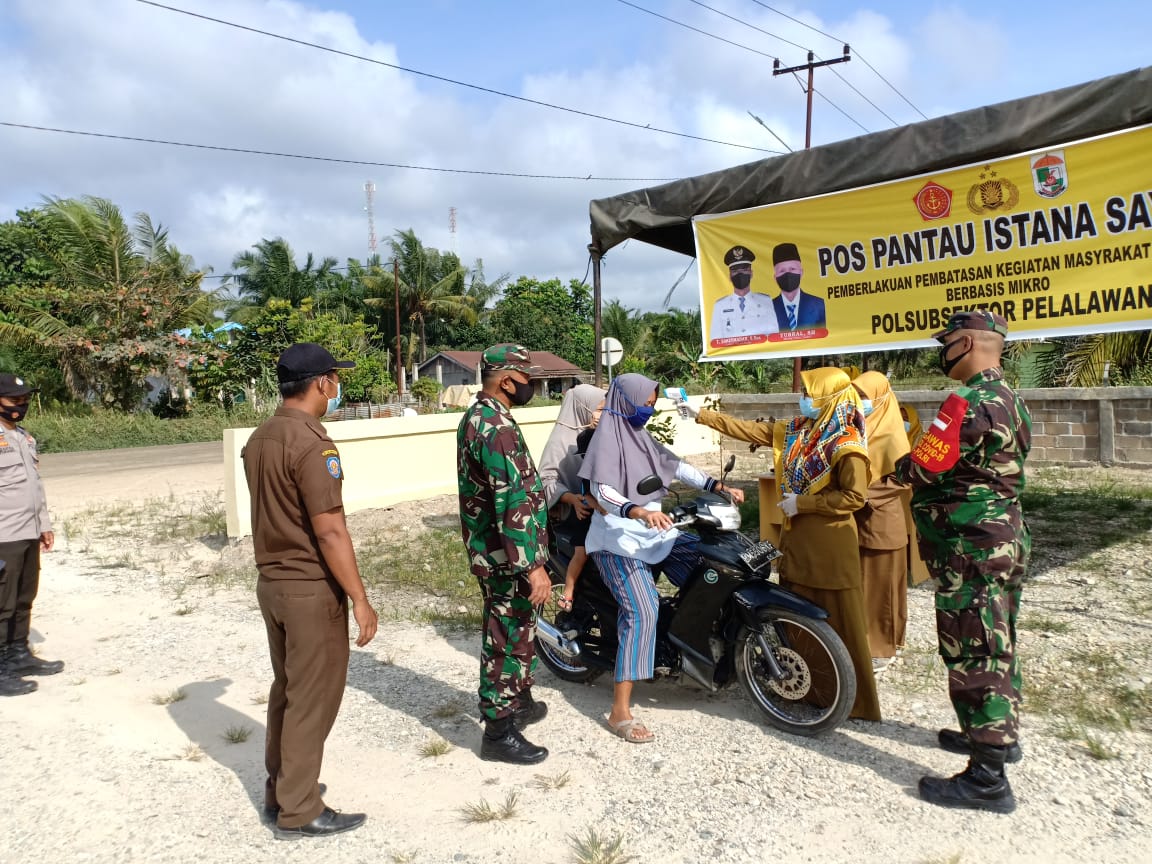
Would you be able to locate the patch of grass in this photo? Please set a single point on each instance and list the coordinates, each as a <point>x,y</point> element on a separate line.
<point>434,748</point>
<point>485,812</point>
<point>98,429</point>
<point>954,858</point>
<point>1097,749</point>
<point>115,670</point>
<point>259,699</point>
<point>434,564</point>
<point>237,734</point>
<point>592,847</point>
<point>471,619</point>
<point>402,857</point>
<point>76,682</point>
<point>186,609</point>
<point>387,659</point>
<point>552,781</point>
<point>448,710</point>
<point>1041,623</point>
<point>177,695</point>
<point>192,752</point>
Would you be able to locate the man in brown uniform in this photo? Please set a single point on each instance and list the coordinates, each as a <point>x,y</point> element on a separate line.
<point>308,574</point>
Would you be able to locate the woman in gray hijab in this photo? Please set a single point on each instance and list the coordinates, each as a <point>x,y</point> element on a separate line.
<point>632,533</point>
<point>559,472</point>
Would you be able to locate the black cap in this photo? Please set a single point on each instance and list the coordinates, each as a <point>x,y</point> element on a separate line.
<point>785,252</point>
<point>307,360</point>
<point>738,255</point>
<point>14,385</point>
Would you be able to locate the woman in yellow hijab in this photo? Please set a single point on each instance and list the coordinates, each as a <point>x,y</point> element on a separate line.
<point>881,523</point>
<point>822,467</point>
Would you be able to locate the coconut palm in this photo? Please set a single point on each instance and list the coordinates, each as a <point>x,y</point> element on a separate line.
<point>269,271</point>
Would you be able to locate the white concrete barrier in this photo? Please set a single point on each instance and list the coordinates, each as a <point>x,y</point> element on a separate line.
<point>394,459</point>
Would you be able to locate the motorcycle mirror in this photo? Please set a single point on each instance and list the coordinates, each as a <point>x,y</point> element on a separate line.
<point>728,467</point>
<point>648,485</point>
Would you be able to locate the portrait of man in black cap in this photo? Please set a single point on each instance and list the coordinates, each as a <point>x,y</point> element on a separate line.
<point>794,309</point>
<point>743,312</point>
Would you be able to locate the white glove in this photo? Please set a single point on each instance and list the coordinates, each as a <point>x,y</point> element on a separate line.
<point>789,505</point>
<point>687,411</point>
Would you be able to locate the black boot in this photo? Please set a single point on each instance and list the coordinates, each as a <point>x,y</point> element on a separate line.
<point>18,660</point>
<point>10,686</point>
<point>503,742</point>
<point>957,742</point>
<point>981,786</point>
<point>529,711</point>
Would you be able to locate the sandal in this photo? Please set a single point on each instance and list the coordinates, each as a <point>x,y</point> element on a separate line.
<point>564,604</point>
<point>631,730</point>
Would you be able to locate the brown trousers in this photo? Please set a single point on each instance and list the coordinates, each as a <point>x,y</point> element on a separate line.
<point>307,624</point>
<point>885,573</point>
<point>19,583</point>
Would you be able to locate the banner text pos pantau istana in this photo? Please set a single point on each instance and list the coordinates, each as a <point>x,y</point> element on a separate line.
<point>1058,241</point>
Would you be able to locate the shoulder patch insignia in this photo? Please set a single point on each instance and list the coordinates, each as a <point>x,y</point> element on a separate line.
<point>330,453</point>
<point>333,463</point>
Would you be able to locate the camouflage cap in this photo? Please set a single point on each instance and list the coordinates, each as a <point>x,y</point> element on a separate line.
<point>974,319</point>
<point>508,357</point>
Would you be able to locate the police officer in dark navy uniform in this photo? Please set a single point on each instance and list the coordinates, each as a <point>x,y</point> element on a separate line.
<point>744,312</point>
<point>308,574</point>
<point>25,531</point>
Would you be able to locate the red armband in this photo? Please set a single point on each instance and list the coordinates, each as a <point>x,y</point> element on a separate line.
<point>939,448</point>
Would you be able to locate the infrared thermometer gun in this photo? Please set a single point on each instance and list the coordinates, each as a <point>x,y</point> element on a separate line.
<point>679,397</point>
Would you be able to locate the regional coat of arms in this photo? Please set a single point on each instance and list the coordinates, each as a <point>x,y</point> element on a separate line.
<point>1049,174</point>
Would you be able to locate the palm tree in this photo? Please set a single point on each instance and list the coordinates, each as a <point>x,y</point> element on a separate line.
<point>1081,361</point>
<point>622,323</point>
<point>271,272</point>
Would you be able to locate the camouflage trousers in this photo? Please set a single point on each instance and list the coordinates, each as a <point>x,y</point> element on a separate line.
<point>977,601</point>
<point>508,644</point>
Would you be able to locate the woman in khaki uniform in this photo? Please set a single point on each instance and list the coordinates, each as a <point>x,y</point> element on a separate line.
<point>822,469</point>
<point>881,522</point>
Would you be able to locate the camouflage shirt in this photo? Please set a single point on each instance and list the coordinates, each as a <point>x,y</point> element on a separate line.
<point>503,512</point>
<point>975,504</point>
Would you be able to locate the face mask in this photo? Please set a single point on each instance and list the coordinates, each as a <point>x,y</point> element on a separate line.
<point>741,281</point>
<point>808,409</point>
<point>947,365</point>
<point>642,415</point>
<point>788,282</point>
<point>13,413</point>
<point>522,395</point>
<point>334,402</point>
<point>907,425</point>
<point>866,406</point>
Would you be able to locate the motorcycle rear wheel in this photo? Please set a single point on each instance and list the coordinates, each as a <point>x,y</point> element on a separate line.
<point>560,664</point>
<point>821,687</point>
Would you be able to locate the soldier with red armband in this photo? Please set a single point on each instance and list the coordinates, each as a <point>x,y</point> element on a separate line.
<point>967,475</point>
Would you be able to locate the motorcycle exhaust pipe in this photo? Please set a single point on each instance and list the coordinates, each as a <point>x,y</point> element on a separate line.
<point>547,632</point>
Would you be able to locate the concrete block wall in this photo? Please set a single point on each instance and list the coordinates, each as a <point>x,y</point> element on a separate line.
<point>1070,426</point>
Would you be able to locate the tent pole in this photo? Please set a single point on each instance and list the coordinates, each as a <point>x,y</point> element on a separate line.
<point>596,254</point>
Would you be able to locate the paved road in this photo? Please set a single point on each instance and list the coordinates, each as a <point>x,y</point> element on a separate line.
<point>77,481</point>
<point>63,465</point>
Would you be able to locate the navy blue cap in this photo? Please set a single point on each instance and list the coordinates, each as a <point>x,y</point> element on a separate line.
<point>307,360</point>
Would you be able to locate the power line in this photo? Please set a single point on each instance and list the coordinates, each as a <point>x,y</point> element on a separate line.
<point>858,55</point>
<point>842,111</point>
<point>253,152</point>
<point>649,127</point>
<point>861,95</point>
<point>698,30</point>
<point>744,23</point>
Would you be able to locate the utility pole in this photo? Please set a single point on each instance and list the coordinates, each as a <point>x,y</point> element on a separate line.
<point>399,368</point>
<point>811,67</point>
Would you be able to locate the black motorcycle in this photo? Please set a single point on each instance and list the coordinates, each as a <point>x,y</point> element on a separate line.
<point>727,621</point>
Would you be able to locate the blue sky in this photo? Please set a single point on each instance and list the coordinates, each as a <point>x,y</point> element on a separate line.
<point>122,67</point>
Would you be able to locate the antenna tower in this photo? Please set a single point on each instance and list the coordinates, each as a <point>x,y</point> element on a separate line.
<point>452,228</point>
<point>369,193</point>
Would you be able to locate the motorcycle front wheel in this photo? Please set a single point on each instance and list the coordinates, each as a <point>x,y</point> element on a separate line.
<point>818,686</point>
<point>569,667</point>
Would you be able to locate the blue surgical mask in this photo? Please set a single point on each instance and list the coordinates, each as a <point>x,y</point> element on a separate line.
<point>808,409</point>
<point>866,406</point>
<point>334,402</point>
<point>907,425</point>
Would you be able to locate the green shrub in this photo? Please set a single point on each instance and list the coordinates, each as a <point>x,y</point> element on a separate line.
<point>100,429</point>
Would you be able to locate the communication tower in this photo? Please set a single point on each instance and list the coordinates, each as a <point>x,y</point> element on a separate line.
<point>369,193</point>
<point>452,229</point>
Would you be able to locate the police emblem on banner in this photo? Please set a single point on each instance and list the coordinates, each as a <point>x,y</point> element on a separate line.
<point>1049,174</point>
<point>993,193</point>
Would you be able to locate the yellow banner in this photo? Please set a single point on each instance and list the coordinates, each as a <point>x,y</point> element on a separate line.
<point>1058,241</point>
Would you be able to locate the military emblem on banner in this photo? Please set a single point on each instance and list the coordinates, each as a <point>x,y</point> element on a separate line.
<point>1049,174</point>
<point>992,193</point>
<point>933,201</point>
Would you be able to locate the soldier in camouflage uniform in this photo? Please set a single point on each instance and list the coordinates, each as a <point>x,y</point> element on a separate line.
<point>503,517</point>
<point>976,544</point>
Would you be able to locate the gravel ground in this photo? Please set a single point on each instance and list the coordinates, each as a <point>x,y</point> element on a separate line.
<point>107,775</point>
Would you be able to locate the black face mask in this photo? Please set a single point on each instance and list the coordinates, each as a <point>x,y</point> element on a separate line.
<point>522,395</point>
<point>788,282</point>
<point>740,281</point>
<point>13,413</point>
<point>947,365</point>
